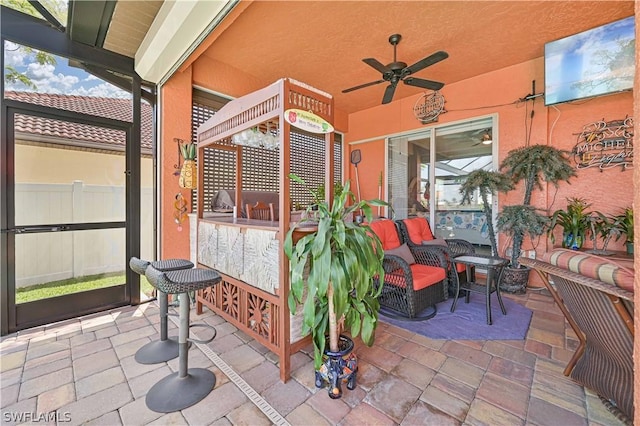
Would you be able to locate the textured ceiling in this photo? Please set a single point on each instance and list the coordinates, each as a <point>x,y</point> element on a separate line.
<point>322,43</point>
<point>129,24</point>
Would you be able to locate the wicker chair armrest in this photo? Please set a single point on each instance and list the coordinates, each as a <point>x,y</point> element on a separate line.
<point>431,255</point>
<point>392,263</point>
<point>550,269</point>
<point>459,247</point>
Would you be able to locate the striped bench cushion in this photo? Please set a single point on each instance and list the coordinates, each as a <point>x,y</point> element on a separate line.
<point>592,266</point>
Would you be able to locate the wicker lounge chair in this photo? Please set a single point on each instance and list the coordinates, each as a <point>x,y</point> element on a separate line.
<point>601,314</point>
<point>417,232</point>
<point>415,278</point>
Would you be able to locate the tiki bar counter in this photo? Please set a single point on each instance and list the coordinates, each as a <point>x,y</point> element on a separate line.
<point>246,152</point>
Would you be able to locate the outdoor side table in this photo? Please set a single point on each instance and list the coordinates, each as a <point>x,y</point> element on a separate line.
<point>494,266</point>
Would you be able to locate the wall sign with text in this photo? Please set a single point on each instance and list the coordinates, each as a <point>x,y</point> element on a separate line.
<point>605,144</point>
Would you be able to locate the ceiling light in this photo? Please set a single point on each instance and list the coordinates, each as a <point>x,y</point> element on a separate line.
<point>486,138</point>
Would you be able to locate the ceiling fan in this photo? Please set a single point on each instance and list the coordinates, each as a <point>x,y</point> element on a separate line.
<point>399,71</point>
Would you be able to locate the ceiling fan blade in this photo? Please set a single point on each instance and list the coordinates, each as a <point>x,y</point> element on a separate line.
<point>428,61</point>
<point>388,93</point>
<point>374,63</point>
<point>425,84</point>
<point>362,86</point>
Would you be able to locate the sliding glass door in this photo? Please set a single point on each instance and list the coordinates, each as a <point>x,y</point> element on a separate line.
<point>426,169</point>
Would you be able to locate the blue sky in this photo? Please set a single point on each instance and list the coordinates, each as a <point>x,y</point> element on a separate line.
<point>61,78</point>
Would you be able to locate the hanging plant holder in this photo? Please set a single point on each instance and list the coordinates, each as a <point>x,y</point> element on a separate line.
<point>189,170</point>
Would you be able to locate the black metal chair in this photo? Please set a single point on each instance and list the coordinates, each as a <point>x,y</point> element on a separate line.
<point>187,386</point>
<point>166,348</point>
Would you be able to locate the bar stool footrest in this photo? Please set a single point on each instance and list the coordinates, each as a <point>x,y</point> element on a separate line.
<point>158,351</point>
<point>215,332</point>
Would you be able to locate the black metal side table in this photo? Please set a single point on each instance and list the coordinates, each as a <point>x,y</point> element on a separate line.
<point>494,266</point>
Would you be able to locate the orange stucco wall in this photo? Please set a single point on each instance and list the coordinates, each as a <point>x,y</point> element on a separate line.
<point>176,101</point>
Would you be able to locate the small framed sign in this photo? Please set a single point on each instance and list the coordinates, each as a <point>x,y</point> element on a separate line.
<point>308,121</point>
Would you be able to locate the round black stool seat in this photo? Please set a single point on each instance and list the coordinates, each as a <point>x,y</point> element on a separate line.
<point>166,348</point>
<point>187,386</point>
<point>139,266</point>
<point>182,281</point>
<point>166,265</point>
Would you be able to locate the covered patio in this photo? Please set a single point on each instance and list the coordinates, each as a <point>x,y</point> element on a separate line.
<point>189,61</point>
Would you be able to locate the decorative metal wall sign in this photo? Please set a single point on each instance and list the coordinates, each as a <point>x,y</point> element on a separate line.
<point>605,144</point>
<point>428,107</point>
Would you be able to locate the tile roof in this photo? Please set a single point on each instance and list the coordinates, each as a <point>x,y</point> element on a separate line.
<point>114,108</point>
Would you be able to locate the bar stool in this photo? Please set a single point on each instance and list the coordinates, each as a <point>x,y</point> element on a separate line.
<point>187,386</point>
<point>166,348</point>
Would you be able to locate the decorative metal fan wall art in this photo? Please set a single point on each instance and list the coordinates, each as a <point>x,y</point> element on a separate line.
<point>428,107</point>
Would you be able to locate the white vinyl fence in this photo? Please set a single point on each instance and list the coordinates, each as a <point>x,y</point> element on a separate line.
<point>46,257</point>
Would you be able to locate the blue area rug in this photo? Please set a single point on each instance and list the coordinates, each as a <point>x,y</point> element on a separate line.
<point>469,321</point>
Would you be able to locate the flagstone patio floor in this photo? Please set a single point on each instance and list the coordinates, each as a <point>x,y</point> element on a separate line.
<point>82,371</point>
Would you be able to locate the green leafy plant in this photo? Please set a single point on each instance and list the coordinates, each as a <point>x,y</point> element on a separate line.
<point>342,258</point>
<point>318,194</point>
<point>485,183</point>
<point>574,220</point>
<point>605,227</point>
<point>530,164</point>
<point>625,221</point>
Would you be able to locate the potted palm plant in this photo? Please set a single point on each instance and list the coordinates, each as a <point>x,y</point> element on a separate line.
<point>332,277</point>
<point>605,227</point>
<point>574,222</point>
<point>486,183</point>
<point>625,221</point>
<point>529,164</point>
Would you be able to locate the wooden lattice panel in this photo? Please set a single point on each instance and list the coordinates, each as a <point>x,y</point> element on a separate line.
<point>309,103</point>
<point>259,316</point>
<point>208,296</point>
<point>250,116</point>
<point>253,311</point>
<point>230,302</point>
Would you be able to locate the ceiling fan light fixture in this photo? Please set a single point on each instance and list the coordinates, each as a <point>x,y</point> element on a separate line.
<point>486,138</point>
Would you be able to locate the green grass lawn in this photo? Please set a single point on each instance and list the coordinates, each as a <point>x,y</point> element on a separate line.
<point>76,285</point>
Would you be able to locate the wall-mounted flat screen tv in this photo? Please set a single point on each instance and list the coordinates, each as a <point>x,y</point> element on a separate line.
<point>592,63</point>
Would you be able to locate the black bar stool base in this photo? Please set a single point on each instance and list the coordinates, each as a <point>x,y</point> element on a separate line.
<point>158,351</point>
<point>174,393</point>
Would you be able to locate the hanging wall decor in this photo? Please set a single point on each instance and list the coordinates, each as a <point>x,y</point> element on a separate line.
<point>189,171</point>
<point>605,144</point>
<point>179,210</point>
<point>428,107</point>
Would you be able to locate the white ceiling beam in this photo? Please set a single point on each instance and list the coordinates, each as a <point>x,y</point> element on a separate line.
<point>177,29</point>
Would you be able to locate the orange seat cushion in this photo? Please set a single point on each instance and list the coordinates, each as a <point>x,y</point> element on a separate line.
<point>461,267</point>
<point>386,231</point>
<point>423,276</point>
<point>418,229</point>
